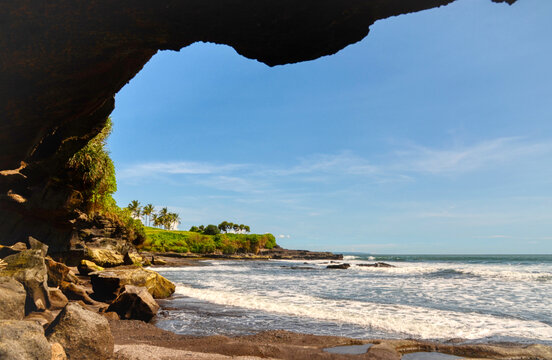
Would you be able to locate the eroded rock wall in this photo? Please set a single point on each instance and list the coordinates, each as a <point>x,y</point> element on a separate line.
<point>62,62</point>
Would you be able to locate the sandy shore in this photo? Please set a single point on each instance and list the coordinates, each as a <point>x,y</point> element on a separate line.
<point>136,340</point>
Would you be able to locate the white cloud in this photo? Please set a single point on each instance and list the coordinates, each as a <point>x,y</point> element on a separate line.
<point>468,158</point>
<point>177,168</point>
<point>397,166</point>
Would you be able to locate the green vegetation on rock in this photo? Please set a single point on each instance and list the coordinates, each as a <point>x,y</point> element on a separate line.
<point>92,175</point>
<point>188,241</point>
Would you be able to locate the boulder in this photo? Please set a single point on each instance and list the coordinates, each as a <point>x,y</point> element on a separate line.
<point>132,258</point>
<point>12,299</point>
<point>76,292</point>
<point>338,266</point>
<point>104,257</point>
<point>107,284</point>
<point>57,299</point>
<point>29,269</point>
<point>34,244</point>
<point>85,267</point>
<point>10,250</point>
<point>111,315</point>
<point>43,318</point>
<point>83,334</point>
<point>57,272</point>
<point>72,278</point>
<point>383,352</point>
<point>58,353</point>
<point>23,340</point>
<point>157,261</point>
<point>134,303</point>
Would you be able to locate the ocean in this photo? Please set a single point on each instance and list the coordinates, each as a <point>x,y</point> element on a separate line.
<point>483,298</point>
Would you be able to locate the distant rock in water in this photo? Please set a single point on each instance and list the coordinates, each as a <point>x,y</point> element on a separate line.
<point>280,253</point>
<point>378,264</point>
<point>299,267</point>
<point>338,266</point>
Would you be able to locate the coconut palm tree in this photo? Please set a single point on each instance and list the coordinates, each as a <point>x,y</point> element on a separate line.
<point>155,220</point>
<point>135,208</point>
<point>147,211</point>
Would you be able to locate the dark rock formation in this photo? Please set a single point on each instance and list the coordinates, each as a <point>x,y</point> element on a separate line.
<point>57,299</point>
<point>82,333</point>
<point>281,253</point>
<point>339,266</point>
<point>29,269</point>
<point>383,352</point>
<point>108,284</point>
<point>85,267</point>
<point>134,303</point>
<point>43,318</point>
<point>57,272</point>
<point>13,249</point>
<point>12,299</point>
<point>23,340</point>
<point>378,264</point>
<point>63,62</point>
<point>76,292</point>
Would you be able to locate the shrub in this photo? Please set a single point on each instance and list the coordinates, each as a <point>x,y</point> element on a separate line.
<point>211,230</point>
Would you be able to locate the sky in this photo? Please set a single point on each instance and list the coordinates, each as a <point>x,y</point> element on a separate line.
<point>433,135</point>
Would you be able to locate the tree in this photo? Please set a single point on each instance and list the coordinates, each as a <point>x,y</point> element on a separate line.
<point>236,227</point>
<point>92,173</point>
<point>156,220</point>
<point>241,227</point>
<point>247,228</point>
<point>147,211</point>
<point>194,229</point>
<point>222,226</point>
<point>201,228</point>
<point>172,219</point>
<point>135,208</point>
<point>211,230</point>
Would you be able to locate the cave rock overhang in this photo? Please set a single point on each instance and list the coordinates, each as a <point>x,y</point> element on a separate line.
<point>63,62</point>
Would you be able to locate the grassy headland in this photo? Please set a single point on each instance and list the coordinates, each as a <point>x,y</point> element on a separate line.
<point>158,240</point>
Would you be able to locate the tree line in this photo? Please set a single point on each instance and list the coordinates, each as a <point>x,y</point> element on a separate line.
<point>224,227</point>
<point>162,218</point>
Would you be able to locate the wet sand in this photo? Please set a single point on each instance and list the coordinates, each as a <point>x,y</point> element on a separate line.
<point>136,340</point>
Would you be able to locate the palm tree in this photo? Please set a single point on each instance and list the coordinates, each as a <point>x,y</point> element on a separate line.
<point>156,220</point>
<point>236,227</point>
<point>247,228</point>
<point>147,211</point>
<point>242,227</point>
<point>173,219</point>
<point>135,208</point>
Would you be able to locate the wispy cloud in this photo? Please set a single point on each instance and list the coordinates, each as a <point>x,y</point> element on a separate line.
<point>402,165</point>
<point>468,158</point>
<point>344,162</point>
<point>177,168</point>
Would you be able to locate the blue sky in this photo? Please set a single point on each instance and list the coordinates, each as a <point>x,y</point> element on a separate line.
<point>432,135</point>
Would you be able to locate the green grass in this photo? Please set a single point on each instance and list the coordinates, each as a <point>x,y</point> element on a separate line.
<point>159,240</point>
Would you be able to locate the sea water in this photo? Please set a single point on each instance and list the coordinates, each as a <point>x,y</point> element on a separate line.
<point>469,298</point>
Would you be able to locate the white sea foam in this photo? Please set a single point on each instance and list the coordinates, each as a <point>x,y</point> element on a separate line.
<point>432,300</point>
<point>407,320</point>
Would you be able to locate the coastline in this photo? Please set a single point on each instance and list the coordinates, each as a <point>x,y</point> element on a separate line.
<point>136,340</point>
<point>284,344</point>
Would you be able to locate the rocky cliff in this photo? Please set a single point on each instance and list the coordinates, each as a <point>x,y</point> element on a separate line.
<point>63,61</point>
